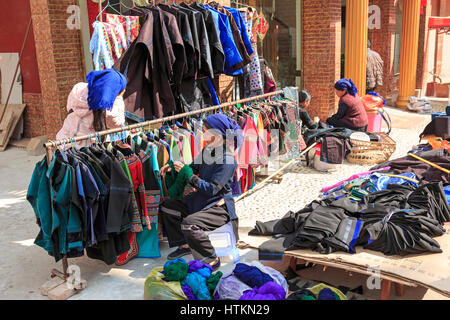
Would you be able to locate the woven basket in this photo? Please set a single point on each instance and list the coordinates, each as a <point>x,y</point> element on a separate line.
<point>364,152</point>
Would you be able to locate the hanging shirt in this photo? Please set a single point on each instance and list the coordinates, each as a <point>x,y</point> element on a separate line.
<point>102,52</point>
<point>217,53</point>
<point>233,59</point>
<point>242,26</point>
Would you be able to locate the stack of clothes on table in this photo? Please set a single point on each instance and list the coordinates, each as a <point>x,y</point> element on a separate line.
<point>382,210</point>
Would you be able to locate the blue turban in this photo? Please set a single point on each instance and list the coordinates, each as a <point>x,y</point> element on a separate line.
<point>104,87</point>
<point>346,84</point>
<point>223,123</point>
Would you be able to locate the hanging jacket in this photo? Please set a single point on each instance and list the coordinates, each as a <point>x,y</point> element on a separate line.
<point>233,59</point>
<point>213,183</point>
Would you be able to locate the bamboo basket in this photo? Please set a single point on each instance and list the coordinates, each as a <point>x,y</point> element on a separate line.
<point>364,152</point>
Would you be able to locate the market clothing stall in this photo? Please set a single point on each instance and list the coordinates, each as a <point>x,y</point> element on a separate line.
<point>58,284</point>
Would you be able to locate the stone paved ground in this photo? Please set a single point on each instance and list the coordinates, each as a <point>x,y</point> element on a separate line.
<point>301,184</point>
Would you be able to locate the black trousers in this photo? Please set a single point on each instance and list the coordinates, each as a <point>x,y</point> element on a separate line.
<point>337,123</point>
<point>184,228</point>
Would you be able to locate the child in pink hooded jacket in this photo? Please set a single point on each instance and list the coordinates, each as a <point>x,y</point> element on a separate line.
<point>94,106</point>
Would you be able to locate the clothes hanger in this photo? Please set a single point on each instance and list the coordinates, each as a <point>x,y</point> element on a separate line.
<point>107,5</point>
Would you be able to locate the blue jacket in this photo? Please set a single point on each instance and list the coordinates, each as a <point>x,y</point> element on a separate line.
<point>232,55</point>
<point>213,183</point>
<point>242,28</point>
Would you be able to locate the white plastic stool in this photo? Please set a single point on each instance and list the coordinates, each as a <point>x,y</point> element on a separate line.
<point>224,242</point>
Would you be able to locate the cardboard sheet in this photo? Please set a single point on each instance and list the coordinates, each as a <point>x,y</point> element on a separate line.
<point>429,270</point>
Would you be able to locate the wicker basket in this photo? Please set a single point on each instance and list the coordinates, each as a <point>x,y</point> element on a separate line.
<point>364,152</point>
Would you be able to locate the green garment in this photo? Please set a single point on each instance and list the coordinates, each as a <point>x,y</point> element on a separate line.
<point>50,193</point>
<point>176,182</point>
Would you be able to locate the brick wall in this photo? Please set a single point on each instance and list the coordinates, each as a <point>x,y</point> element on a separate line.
<point>422,43</point>
<point>33,115</point>
<point>58,51</point>
<point>67,51</point>
<point>383,42</point>
<point>321,54</point>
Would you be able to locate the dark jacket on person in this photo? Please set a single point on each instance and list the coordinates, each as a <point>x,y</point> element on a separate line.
<point>213,183</point>
<point>351,111</point>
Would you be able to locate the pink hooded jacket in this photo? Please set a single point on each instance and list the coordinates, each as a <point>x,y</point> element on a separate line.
<point>80,122</point>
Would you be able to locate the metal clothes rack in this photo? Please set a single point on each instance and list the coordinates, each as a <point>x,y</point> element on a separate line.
<point>51,145</point>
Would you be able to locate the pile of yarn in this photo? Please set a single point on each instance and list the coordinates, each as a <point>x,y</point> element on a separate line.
<point>252,282</point>
<point>176,182</point>
<point>196,278</point>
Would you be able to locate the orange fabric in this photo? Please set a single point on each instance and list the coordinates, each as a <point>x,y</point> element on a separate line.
<point>372,103</point>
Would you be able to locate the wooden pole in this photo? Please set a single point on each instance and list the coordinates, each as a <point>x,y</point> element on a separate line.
<point>430,163</point>
<point>100,10</point>
<point>262,183</point>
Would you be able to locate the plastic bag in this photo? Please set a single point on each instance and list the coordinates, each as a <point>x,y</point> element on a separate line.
<point>373,103</point>
<point>316,290</point>
<point>230,288</point>
<point>155,288</point>
<point>275,274</point>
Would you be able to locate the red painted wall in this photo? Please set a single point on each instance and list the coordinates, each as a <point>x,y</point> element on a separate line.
<point>14,18</point>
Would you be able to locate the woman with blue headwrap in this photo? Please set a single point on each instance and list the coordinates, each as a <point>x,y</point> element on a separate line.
<point>351,113</point>
<point>95,106</point>
<point>211,205</point>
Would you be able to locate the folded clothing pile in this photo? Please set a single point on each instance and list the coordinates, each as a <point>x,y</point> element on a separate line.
<point>400,220</point>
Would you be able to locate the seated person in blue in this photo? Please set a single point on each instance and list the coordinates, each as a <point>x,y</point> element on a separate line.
<point>211,205</point>
<point>351,113</point>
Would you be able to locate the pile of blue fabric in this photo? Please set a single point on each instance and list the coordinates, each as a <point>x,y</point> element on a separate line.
<point>196,278</point>
<point>264,286</point>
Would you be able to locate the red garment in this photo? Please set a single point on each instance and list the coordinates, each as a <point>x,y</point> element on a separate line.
<point>356,115</point>
<point>248,153</point>
<point>135,167</point>
<point>93,13</point>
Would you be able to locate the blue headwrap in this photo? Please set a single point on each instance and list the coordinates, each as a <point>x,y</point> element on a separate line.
<point>222,123</point>
<point>346,84</point>
<point>104,87</point>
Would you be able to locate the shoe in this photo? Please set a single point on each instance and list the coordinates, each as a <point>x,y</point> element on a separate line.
<point>216,266</point>
<point>130,254</point>
<point>180,252</point>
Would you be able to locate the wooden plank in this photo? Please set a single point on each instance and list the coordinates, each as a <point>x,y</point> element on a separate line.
<point>428,270</point>
<point>9,122</point>
<point>51,284</point>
